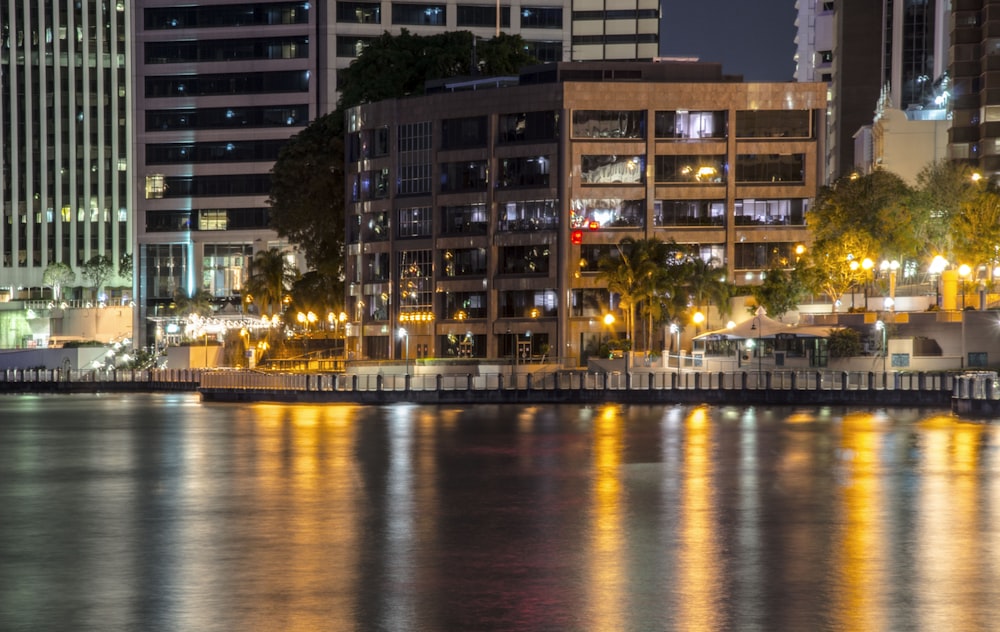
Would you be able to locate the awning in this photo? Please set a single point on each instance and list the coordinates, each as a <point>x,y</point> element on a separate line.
<point>763,326</point>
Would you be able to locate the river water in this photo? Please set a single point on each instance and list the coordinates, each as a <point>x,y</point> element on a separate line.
<point>158,512</point>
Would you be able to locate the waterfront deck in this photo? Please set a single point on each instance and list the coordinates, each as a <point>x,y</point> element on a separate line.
<point>558,386</point>
<point>971,393</point>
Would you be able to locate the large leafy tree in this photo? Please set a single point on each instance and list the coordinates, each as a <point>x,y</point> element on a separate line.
<point>56,275</point>
<point>781,291</point>
<point>876,208</point>
<point>393,66</point>
<point>307,194</point>
<point>834,265</point>
<point>943,189</point>
<point>976,230</point>
<point>706,285</point>
<point>98,269</point>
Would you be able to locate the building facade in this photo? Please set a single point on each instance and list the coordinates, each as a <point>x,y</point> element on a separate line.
<point>475,218</point>
<point>220,87</point>
<point>65,141</point>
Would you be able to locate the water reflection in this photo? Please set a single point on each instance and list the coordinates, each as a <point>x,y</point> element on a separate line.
<point>160,513</point>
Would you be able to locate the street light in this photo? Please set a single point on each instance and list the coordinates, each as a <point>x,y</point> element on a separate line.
<point>756,325</point>
<point>675,330</point>
<point>891,267</point>
<point>880,326</point>
<point>938,265</point>
<point>406,350</point>
<point>963,271</point>
<point>867,264</point>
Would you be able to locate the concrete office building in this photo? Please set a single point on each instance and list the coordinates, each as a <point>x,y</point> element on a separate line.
<point>65,141</point>
<point>475,219</point>
<point>220,87</point>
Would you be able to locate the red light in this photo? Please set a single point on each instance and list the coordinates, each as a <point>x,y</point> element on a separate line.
<point>576,237</point>
<point>594,224</point>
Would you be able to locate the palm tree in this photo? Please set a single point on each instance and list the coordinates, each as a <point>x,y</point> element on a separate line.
<point>200,303</point>
<point>271,276</point>
<point>636,275</point>
<point>706,285</point>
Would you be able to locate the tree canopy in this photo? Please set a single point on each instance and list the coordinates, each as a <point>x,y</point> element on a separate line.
<point>393,66</point>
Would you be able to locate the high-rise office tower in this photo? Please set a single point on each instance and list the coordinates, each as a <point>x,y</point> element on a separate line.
<point>220,87</point>
<point>65,129</point>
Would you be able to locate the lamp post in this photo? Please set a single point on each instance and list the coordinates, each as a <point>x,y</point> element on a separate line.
<point>880,326</point>
<point>756,326</point>
<point>938,265</point>
<point>405,337</point>
<point>963,271</point>
<point>890,267</point>
<point>867,264</point>
<point>675,331</point>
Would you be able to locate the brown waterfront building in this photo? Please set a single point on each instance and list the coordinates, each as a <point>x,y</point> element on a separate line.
<point>476,213</point>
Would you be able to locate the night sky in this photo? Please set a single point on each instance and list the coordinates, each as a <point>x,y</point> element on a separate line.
<point>753,38</point>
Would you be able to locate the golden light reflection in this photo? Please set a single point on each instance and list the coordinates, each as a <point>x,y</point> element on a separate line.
<point>864,554</point>
<point>300,458</point>
<point>607,572</point>
<point>948,553</point>
<point>699,572</point>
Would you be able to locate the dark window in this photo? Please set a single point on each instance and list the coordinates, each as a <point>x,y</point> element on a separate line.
<point>773,124</point>
<point>690,212</point>
<point>227,117</point>
<point>234,184</point>
<point>545,52</point>
<point>528,304</point>
<point>541,17</point>
<point>464,176</point>
<point>464,133</point>
<point>459,262</point>
<point>528,127</point>
<point>414,222</point>
<point>465,219</point>
<point>762,256</point>
<point>589,303</point>
<point>524,259</point>
<point>213,16</point>
<point>227,50</point>
<point>770,168</point>
<point>222,151</point>
<point>524,172</point>
<point>482,16</point>
<point>425,14</point>
<point>463,305</point>
<point>227,84</point>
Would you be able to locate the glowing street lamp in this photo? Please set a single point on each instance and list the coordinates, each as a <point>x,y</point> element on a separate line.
<point>405,337</point>
<point>880,326</point>
<point>866,265</point>
<point>963,272</point>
